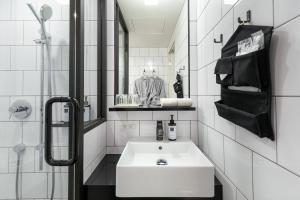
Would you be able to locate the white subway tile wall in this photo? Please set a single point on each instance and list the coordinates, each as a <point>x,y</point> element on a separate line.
<point>95,143</point>
<point>254,168</point>
<point>248,167</point>
<point>20,65</point>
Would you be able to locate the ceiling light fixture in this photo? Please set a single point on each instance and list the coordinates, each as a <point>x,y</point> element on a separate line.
<point>63,2</point>
<point>151,2</point>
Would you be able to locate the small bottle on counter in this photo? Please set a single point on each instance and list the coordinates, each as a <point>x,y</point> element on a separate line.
<point>172,129</point>
<point>87,110</point>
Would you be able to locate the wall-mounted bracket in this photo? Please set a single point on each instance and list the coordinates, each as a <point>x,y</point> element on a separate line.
<point>248,20</point>
<point>220,40</point>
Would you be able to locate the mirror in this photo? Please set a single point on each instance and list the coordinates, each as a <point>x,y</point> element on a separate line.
<point>122,52</point>
<point>94,72</point>
<point>152,58</point>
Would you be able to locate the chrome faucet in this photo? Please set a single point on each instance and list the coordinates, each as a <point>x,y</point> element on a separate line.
<point>159,131</point>
<point>20,109</point>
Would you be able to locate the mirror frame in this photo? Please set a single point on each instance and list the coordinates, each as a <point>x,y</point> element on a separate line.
<point>119,18</point>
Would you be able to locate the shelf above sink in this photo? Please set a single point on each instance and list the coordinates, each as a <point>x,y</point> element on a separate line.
<point>112,109</point>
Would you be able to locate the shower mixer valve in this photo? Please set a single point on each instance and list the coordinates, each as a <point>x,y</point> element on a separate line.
<point>20,109</point>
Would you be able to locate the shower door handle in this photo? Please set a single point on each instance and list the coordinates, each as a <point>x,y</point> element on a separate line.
<point>73,107</point>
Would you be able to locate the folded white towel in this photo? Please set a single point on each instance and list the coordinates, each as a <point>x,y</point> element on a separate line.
<point>173,102</point>
<point>168,102</point>
<point>185,102</point>
<point>127,106</point>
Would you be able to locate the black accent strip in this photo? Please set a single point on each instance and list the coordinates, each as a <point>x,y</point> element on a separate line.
<point>152,109</point>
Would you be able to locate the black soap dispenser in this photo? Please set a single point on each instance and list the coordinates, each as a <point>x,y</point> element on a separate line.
<point>172,130</point>
<point>87,110</point>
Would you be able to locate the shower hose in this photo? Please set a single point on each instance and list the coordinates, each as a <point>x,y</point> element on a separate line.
<point>18,178</point>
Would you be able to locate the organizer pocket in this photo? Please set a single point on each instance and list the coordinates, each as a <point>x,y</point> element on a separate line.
<point>258,123</point>
<point>223,71</point>
<point>241,70</point>
<point>247,101</point>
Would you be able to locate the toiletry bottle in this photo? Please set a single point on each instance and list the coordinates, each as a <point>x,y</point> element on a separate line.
<point>172,129</point>
<point>159,131</point>
<point>87,110</point>
<point>66,112</point>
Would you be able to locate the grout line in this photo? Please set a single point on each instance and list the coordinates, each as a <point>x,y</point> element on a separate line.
<point>224,153</point>
<point>252,168</point>
<point>268,159</point>
<point>276,127</point>
<point>273,12</point>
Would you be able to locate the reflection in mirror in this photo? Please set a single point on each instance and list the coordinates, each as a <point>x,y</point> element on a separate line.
<point>90,61</point>
<point>122,52</point>
<point>158,51</point>
<point>121,60</point>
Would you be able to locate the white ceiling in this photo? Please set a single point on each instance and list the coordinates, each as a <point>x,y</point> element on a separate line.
<point>150,26</point>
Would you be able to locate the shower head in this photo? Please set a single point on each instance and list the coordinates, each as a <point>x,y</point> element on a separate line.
<point>46,12</point>
<point>34,12</point>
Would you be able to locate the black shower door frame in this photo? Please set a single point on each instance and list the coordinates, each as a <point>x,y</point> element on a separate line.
<point>76,65</point>
<point>76,84</point>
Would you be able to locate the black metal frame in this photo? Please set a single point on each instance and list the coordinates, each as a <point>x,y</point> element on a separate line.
<point>75,188</point>
<point>76,86</point>
<point>119,19</point>
<point>101,68</point>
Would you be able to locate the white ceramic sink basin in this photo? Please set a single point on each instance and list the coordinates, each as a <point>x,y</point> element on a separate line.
<point>184,171</point>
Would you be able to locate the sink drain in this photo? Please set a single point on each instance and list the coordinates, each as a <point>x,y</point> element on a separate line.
<point>161,162</point>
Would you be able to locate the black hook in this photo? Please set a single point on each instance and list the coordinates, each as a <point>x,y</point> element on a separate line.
<point>221,39</point>
<point>181,69</point>
<point>248,18</point>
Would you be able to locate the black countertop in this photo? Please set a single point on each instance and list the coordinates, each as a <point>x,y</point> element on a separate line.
<point>105,173</point>
<point>102,183</point>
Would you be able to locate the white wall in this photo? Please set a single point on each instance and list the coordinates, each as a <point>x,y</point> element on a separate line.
<point>20,79</point>
<point>94,149</point>
<point>149,59</point>
<point>250,167</point>
<point>123,125</point>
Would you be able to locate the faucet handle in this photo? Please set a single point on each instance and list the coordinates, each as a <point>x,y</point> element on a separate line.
<point>20,109</point>
<point>12,110</point>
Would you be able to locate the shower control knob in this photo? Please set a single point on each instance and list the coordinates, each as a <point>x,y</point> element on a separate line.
<point>20,109</point>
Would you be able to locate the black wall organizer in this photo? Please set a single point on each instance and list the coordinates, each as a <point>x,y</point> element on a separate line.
<point>250,110</point>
